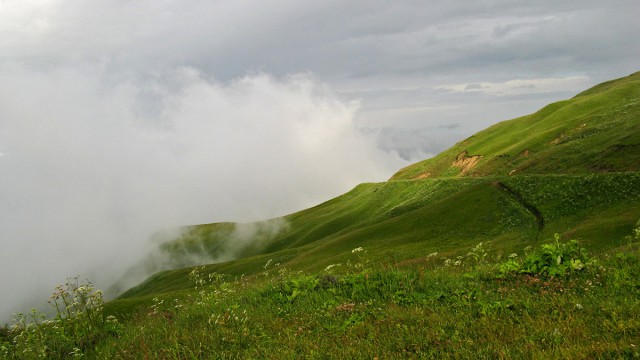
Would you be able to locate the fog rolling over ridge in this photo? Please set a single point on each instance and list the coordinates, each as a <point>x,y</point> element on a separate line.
<point>184,246</point>
<point>92,168</point>
<point>122,118</point>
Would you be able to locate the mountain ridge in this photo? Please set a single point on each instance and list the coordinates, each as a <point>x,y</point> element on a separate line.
<point>471,194</point>
<point>597,123</point>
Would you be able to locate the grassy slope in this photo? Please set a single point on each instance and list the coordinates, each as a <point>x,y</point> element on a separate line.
<point>436,311</point>
<point>596,131</point>
<point>402,221</point>
<point>463,308</point>
<point>396,299</point>
<point>405,220</point>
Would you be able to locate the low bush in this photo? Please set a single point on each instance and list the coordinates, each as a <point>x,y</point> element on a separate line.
<point>550,260</point>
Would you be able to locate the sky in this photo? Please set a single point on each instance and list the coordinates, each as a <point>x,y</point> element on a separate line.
<point>120,118</point>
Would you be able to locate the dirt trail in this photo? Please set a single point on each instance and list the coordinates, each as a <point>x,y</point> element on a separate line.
<point>504,189</point>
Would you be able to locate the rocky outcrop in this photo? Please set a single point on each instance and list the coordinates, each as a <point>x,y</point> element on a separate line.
<point>466,162</point>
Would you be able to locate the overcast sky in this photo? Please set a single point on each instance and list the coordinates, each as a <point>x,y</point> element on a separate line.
<point>119,118</point>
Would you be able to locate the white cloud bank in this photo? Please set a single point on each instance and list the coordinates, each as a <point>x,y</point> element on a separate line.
<point>108,132</point>
<point>93,165</point>
<point>522,86</point>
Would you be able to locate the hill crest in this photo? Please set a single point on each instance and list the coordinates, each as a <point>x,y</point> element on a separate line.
<point>596,131</point>
<point>570,168</point>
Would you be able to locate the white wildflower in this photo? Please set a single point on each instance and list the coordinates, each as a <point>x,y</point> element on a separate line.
<point>268,263</point>
<point>331,267</point>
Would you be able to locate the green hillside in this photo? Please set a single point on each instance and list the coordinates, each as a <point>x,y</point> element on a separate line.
<point>597,131</point>
<point>470,254</point>
<point>404,221</point>
<point>575,174</point>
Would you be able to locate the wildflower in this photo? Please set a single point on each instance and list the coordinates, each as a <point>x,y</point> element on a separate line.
<point>579,307</point>
<point>513,256</point>
<point>358,249</point>
<point>432,255</point>
<point>331,267</point>
<point>267,264</point>
<point>76,352</point>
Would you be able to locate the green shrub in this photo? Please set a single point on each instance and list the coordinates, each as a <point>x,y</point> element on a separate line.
<point>553,259</point>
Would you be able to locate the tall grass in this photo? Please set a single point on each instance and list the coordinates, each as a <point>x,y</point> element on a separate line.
<point>471,306</point>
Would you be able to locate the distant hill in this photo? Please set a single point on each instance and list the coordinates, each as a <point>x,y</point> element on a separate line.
<point>597,131</point>
<point>570,168</point>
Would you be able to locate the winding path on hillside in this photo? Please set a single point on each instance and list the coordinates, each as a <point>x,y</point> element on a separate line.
<point>507,191</point>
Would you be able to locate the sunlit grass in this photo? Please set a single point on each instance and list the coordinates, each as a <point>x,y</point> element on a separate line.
<point>466,307</point>
<point>595,132</point>
<point>448,267</point>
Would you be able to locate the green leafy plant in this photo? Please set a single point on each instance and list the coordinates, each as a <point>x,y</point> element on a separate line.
<point>552,259</point>
<point>300,286</point>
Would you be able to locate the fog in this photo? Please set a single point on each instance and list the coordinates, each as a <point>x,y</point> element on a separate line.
<point>119,119</point>
<point>231,241</point>
<point>92,167</point>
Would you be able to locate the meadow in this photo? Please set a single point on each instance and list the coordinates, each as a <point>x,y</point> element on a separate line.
<point>555,300</point>
<point>522,241</point>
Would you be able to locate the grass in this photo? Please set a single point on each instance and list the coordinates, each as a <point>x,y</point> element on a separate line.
<point>456,264</point>
<point>405,220</point>
<point>594,132</point>
<point>461,307</point>
<point>570,168</point>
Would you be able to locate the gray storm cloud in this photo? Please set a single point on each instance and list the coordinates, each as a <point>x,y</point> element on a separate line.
<point>92,167</point>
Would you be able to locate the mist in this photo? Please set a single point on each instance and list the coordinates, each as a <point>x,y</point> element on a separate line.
<point>92,165</point>
<point>122,118</point>
<point>196,245</point>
